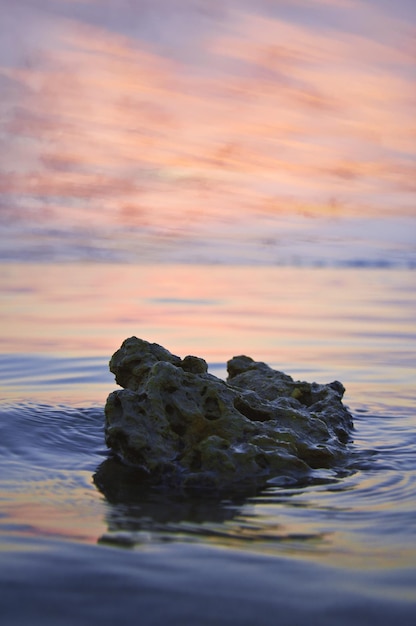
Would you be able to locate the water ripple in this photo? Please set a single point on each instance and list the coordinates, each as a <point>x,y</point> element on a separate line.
<point>58,450</point>
<point>51,437</point>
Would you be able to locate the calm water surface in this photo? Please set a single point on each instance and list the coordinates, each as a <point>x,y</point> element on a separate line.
<point>80,542</point>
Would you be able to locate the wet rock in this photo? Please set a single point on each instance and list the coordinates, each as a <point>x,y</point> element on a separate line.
<point>181,426</point>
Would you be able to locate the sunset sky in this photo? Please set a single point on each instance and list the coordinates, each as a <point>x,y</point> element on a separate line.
<point>189,117</point>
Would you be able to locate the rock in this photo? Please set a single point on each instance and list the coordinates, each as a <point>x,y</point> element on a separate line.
<point>184,427</point>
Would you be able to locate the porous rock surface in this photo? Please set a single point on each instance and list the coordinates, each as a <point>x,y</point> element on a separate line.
<point>185,427</point>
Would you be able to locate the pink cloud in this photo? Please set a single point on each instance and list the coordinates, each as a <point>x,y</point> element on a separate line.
<point>274,109</point>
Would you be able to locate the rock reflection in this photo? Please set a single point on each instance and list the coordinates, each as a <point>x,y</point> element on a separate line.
<point>140,514</point>
<point>138,511</point>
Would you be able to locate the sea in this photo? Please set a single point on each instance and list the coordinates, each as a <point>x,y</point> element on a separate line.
<point>318,301</point>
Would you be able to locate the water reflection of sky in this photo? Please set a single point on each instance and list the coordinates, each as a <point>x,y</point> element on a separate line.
<point>124,123</point>
<point>62,322</point>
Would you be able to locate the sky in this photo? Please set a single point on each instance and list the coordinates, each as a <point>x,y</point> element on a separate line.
<point>141,124</point>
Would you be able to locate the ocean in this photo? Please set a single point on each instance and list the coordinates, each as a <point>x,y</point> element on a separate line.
<point>74,549</point>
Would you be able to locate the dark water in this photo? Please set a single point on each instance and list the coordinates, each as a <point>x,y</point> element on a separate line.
<point>82,542</point>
